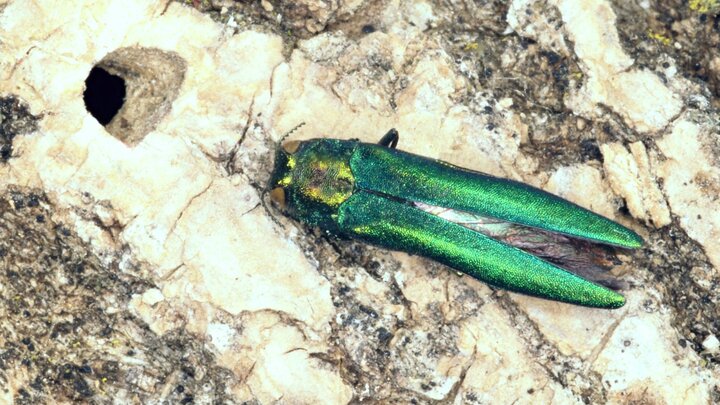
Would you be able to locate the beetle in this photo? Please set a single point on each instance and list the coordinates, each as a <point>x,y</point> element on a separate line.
<point>394,199</point>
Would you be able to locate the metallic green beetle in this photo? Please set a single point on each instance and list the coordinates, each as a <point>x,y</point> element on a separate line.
<point>386,197</point>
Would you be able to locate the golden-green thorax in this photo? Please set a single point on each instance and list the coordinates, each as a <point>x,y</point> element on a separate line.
<point>313,178</point>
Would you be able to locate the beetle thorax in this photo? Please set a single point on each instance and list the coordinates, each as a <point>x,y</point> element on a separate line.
<point>322,177</point>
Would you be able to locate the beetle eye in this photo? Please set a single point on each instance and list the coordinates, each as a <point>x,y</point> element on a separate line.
<point>291,146</point>
<point>277,195</point>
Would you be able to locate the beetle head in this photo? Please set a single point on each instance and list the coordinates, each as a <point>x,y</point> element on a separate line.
<point>312,178</point>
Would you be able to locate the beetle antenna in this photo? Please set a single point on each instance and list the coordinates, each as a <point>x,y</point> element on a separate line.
<point>291,131</point>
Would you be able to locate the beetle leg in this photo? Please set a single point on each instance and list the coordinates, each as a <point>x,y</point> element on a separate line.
<point>390,139</point>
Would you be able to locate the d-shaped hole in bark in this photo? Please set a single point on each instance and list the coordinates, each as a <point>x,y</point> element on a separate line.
<point>104,94</point>
<point>132,89</point>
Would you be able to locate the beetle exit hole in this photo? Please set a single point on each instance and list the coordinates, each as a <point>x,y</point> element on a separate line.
<point>104,94</point>
<point>132,89</point>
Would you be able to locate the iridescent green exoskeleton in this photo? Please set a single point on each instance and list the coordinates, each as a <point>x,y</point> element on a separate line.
<point>390,198</point>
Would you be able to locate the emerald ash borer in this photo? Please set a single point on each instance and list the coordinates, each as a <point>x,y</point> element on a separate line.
<point>505,233</point>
